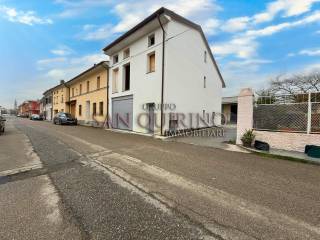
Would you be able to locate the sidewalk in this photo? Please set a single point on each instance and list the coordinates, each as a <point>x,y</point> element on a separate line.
<point>29,205</point>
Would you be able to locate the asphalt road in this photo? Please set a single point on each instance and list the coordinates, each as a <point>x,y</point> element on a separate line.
<point>123,186</point>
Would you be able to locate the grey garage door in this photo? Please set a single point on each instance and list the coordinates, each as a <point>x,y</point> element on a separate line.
<point>122,112</point>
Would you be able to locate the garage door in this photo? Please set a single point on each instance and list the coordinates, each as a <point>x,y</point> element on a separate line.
<point>122,112</point>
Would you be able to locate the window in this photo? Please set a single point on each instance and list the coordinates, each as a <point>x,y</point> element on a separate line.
<point>98,82</point>
<point>204,82</point>
<point>94,109</point>
<point>88,86</point>
<point>80,110</point>
<point>72,92</point>
<point>115,74</point>
<point>151,40</point>
<point>126,77</point>
<point>205,56</point>
<point>151,62</point>
<point>115,59</point>
<point>101,108</point>
<point>62,99</point>
<point>126,53</point>
<point>80,89</point>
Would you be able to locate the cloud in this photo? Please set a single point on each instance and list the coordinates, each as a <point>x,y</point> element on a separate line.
<point>236,24</point>
<point>73,8</point>
<point>54,69</point>
<point>130,13</point>
<point>269,30</point>
<point>241,47</point>
<point>288,8</point>
<point>29,17</point>
<point>92,32</point>
<point>47,61</point>
<point>211,26</point>
<point>310,52</point>
<point>62,51</point>
<point>314,67</point>
<point>245,45</point>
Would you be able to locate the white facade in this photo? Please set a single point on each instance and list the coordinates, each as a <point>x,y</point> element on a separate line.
<point>191,81</point>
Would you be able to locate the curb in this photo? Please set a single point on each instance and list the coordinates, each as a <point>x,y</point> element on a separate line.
<point>281,157</point>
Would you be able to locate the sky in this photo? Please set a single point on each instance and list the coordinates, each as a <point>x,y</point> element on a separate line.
<point>252,41</point>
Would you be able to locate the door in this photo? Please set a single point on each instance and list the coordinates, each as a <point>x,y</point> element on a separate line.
<point>73,110</point>
<point>87,110</point>
<point>151,117</point>
<point>122,112</point>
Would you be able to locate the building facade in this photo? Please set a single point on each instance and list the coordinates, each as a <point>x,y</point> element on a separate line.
<point>47,108</point>
<point>163,76</point>
<point>27,108</point>
<point>60,98</point>
<point>88,95</point>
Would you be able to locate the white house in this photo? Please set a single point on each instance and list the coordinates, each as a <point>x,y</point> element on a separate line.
<point>163,76</point>
<point>47,105</point>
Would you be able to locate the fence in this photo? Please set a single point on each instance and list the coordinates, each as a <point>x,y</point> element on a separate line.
<point>288,113</point>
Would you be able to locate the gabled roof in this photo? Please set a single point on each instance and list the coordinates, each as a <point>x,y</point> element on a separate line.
<point>176,17</point>
<point>66,84</point>
<point>103,64</point>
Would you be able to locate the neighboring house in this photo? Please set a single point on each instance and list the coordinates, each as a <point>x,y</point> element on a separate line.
<point>47,110</point>
<point>88,95</point>
<point>60,98</point>
<point>148,75</point>
<point>27,108</point>
<point>230,109</point>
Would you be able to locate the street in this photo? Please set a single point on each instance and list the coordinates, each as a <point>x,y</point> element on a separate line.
<point>76,182</point>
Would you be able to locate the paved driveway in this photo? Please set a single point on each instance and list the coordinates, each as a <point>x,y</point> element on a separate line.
<point>202,138</point>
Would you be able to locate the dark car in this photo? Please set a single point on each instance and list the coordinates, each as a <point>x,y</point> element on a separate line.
<point>64,118</point>
<point>2,124</point>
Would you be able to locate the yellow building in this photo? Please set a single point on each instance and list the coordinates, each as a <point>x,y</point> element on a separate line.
<point>88,95</point>
<point>60,98</point>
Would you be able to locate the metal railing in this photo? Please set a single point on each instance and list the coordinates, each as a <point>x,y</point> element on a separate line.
<point>288,112</point>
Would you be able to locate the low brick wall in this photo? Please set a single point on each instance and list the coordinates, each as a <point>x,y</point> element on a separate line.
<point>288,141</point>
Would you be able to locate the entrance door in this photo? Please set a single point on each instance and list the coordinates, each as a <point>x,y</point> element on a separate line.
<point>73,110</point>
<point>151,117</point>
<point>87,110</point>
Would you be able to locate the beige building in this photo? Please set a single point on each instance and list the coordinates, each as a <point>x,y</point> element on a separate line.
<point>88,95</point>
<point>60,98</point>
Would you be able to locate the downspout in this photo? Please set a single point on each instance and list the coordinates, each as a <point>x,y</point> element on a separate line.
<point>107,117</point>
<point>162,74</point>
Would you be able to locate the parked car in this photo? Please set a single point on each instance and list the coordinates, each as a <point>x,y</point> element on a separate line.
<point>64,118</point>
<point>2,124</point>
<point>36,117</point>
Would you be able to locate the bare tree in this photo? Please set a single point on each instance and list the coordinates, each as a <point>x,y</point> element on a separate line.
<point>300,83</point>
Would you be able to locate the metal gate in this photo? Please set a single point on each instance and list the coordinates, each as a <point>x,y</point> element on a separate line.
<point>122,112</point>
<point>288,113</point>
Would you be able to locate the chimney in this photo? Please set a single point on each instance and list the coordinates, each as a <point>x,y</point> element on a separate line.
<point>61,81</point>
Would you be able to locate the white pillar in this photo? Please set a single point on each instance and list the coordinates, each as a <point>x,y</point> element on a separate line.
<point>309,114</point>
<point>245,112</point>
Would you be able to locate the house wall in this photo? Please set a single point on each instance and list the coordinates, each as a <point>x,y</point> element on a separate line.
<point>145,87</point>
<point>60,97</point>
<point>185,69</point>
<point>94,95</point>
<point>184,72</point>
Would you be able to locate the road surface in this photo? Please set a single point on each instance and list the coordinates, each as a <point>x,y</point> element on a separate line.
<point>74,182</point>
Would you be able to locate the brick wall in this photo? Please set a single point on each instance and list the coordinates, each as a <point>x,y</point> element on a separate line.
<point>288,141</point>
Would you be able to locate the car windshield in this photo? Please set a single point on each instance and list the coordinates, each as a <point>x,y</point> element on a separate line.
<point>68,115</point>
